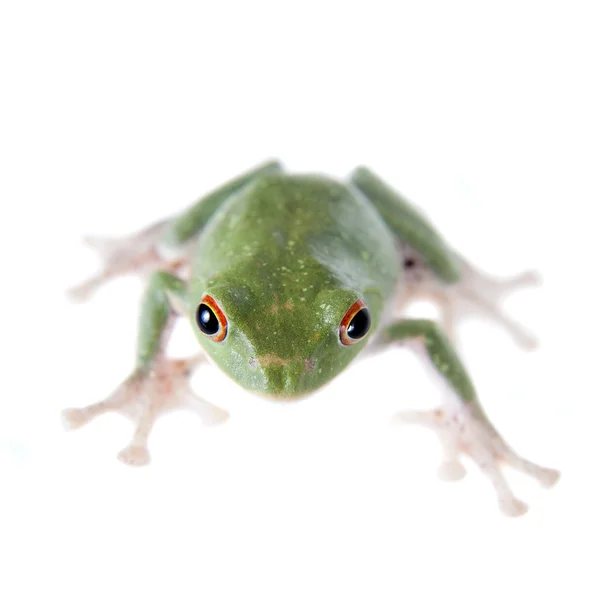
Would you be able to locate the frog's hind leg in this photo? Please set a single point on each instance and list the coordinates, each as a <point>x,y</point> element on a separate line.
<point>434,271</point>
<point>134,254</point>
<point>478,291</point>
<point>167,245</point>
<point>473,292</point>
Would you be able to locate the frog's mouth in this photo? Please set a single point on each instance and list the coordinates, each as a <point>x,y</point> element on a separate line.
<point>278,397</point>
<point>283,379</point>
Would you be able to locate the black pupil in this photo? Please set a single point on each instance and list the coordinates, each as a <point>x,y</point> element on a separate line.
<point>207,321</point>
<point>359,325</point>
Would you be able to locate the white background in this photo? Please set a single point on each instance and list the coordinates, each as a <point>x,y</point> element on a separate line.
<point>115,114</point>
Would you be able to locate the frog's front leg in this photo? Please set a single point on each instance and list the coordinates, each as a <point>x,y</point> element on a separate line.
<point>157,384</point>
<point>461,422</point>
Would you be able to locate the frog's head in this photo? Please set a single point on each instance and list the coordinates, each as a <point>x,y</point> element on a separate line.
<point>282,344</point>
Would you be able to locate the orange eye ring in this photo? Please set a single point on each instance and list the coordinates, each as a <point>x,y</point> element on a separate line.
<point>210,319</point>
<point>356,324</point>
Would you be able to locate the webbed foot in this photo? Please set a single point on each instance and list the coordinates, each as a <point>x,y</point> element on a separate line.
<point>465,429</point>
<point>134,254</point>
<point>143,397</point>
<point>474,292</point>
<point>477,291</point>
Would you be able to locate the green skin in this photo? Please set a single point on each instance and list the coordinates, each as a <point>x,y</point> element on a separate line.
<point>285,257</point>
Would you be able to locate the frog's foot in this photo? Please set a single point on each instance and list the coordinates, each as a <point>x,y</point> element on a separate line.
<point>137,253</point>
<point>465,429</point>
<point>477,291</point>
<point>143,397</point>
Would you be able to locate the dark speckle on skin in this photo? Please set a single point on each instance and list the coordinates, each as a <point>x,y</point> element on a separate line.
<point>309,365</point>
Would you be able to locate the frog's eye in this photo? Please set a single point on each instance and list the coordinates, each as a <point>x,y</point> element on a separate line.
<point>355,324</point>
<point>211,320</point>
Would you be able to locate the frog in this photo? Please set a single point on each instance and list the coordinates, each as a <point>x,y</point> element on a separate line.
<point>286,279</point>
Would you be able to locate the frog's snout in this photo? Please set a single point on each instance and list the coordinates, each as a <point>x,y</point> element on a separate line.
<point>287,378</point>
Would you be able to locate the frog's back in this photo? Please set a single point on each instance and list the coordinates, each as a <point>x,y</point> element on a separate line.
<point>300,232</point>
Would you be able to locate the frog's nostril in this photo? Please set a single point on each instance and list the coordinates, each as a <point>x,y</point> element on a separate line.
<point>309,365</point>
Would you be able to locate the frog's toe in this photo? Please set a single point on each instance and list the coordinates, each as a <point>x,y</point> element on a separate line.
<point>72,418</point>
<point>545,476</point>
<point>548,477</point>
<point>104,245</point>
<point>134,455</point>
<point>84,290</point>
<point>525,279</point>
<point>513,507</point>
<point>451,470</point>
<point>426,418</point>
<point>496,288</point>
<point>209,413</point>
